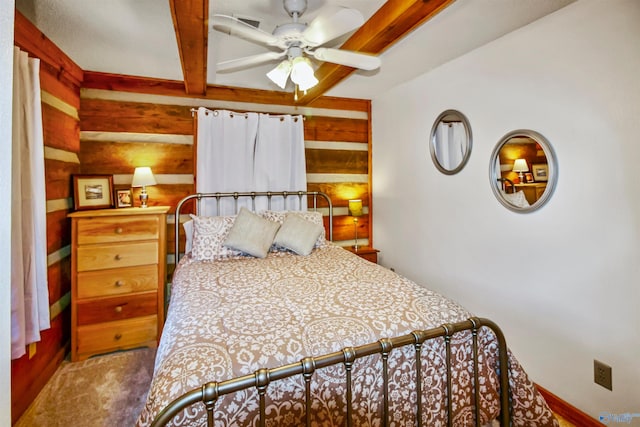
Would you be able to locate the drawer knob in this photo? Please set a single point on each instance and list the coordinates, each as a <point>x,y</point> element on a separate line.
<point>119,309</point>
<point>119,283</point>
<point>118,336</point>
<point>117,257</point>
<point>119,230</point>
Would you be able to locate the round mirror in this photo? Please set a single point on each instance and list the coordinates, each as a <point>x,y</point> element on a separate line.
<point>450,142</point>
<point>523,170</point>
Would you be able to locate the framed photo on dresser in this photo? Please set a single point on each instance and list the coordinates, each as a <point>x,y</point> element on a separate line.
<point>92,191</point>
<point>124,198</point>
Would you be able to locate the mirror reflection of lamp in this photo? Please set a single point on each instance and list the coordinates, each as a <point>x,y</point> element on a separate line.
<point>355,210</point>
<point>142,177</point>
<point>520,166</point>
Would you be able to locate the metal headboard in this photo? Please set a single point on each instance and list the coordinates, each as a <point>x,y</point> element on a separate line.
<point>503,181</point>
<point>251,196</point>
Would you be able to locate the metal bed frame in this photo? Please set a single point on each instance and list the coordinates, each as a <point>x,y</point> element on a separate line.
<point>251,196</point>
<point>209,393</point>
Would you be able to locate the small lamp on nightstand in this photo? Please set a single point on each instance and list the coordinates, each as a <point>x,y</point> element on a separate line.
<point>520,166</point>
<point>355,210</point>
<point>142,177</point>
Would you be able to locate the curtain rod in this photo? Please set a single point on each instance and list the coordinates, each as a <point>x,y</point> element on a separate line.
<point>245,115</point>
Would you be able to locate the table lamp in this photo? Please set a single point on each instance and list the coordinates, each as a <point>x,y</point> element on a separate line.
<point>355,210</point>
<point>142,177</point>
<point>520,166</point>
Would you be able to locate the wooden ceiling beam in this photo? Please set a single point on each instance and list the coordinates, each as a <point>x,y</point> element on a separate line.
<point>191,22</point>
<point>394,20</point>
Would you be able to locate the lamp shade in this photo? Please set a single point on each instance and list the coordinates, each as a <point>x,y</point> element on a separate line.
<point>302,73</point>
<point>280,74</point>
<point>520,165</point>
<point>142,177</point>
<point>355,207</point>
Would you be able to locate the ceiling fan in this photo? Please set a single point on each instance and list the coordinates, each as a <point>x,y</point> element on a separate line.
<point>297,42</point>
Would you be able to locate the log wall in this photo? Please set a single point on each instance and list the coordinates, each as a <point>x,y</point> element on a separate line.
<point>128,122</point>
<point>60,80</point>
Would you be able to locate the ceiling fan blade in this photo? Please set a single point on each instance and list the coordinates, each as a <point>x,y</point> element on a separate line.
<point>235,27</point>
<point>249,61</point>
<point>349,58</point>
<point>332,23</point>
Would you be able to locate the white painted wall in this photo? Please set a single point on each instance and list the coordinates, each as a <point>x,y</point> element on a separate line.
<point>6,85</point>
<point>563,282</point>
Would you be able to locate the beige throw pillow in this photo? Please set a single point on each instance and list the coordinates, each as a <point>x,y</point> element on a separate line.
<point>297,234</point>
<point>251,234</point>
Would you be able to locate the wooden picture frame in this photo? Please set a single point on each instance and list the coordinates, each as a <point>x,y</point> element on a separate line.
<point>528,177</point>
<point>540,172</point>
<point>92,191</point>
<point>123,198</point>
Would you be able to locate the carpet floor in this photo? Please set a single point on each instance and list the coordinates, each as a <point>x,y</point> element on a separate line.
<point>107,390</point>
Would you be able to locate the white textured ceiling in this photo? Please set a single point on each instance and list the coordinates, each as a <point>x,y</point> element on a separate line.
<point>136,37</point>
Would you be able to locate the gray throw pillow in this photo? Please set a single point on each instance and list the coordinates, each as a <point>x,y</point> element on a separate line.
<point>297,234</point>
<point>251,234</point>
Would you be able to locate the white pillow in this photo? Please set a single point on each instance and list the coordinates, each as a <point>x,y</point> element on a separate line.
<point>188,234</point>
<point>312,216</point>
<point>517,199</point>
<point>208,237</point>
<point>297,234</point>
<point>251,234</point>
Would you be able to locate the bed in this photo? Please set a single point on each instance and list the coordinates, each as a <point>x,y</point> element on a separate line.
<point>325,338</point>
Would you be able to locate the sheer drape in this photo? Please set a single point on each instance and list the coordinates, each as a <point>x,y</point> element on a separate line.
<point>29,289</point>
<point>249,152</point>
<point>450,144</point>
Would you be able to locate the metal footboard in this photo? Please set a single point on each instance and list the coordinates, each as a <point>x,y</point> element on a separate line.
<point>209,393</point>
<point>236,196</point>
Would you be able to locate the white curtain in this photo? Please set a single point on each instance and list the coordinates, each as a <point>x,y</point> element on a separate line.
<point>279,163</point>
<point>29,289</point>
<point>226,144</point>
<point>249,152</point>
<point>450,144</point>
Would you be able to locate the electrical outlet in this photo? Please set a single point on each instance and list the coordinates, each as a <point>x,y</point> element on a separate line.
<point>602,375</point>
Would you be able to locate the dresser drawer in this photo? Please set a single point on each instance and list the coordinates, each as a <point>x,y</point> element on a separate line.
<point>101,283</point>
<point>116,308</point>
<point>101,257</point>
<point>121,334</point>
<point>117,229</point>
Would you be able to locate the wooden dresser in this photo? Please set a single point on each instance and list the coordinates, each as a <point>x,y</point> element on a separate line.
<point>532,191</point>
<point>370,254</point>
<point>118,277</point>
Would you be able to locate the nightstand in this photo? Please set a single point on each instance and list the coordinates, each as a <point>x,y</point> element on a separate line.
<point>370,254</point>
<point>118,259</point>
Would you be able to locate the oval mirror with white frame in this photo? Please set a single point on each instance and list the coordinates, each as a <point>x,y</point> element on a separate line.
<point>523,170</point>
<point>450,143</point>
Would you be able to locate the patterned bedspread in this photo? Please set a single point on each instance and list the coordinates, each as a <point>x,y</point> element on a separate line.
<point>230,318</point>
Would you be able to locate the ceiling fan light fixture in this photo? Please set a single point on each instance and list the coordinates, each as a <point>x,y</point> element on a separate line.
<point>302,73</point>
<point>280,74</point>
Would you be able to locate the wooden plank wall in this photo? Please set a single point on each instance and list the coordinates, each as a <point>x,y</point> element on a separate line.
<point>60,80</point>
<point>128,122</point>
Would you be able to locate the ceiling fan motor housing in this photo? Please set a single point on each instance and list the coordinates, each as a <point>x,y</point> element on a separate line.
<point>295,7</point>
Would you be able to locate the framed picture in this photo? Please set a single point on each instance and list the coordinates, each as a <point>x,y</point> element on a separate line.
<point>92,191</point>
<point>124,198</point>
<point>528,177</point>
<point>541,172</point>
